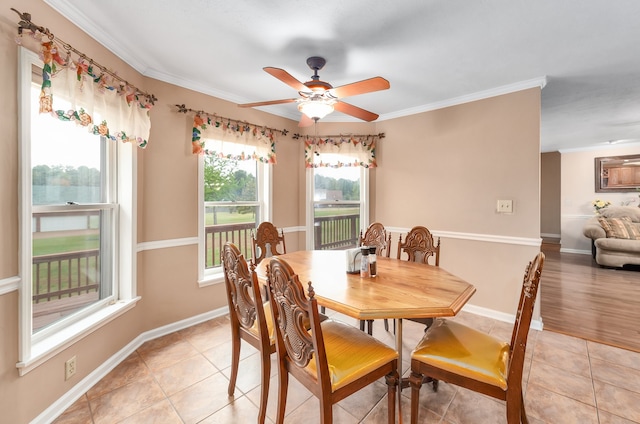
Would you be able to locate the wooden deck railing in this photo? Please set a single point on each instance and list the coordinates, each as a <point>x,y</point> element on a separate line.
<point>336,232</point>
<point>65,274</point>
<point>217,235</point>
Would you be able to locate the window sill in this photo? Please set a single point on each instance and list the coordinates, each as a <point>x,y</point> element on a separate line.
<point>46,349</point>
<point>210,280</point>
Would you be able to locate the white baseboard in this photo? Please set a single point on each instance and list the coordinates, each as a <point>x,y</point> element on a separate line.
<point>536,324</point>
<point>580,252</point>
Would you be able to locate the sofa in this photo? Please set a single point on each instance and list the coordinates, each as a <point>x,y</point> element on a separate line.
<point>615,235</point>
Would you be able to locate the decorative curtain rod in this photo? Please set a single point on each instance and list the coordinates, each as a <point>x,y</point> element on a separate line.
<point>183,109</point>
<point>26,23</point>
<point>299,136</point>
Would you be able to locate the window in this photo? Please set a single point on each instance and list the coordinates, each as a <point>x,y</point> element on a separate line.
<point>235,199</point>
<point>338,203</point>
<point>76,263</point>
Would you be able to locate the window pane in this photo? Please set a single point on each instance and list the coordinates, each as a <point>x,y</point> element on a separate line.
<point>65,160</point>
<point>336,226</point>
<point>337,183</point>
<point>67,269</point>
<point>230,180</point>
<point>226,222</point>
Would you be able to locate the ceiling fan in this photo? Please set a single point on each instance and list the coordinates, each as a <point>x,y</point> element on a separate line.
<point>319,98</point>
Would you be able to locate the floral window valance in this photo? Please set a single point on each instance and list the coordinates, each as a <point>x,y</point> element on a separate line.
<point>331,151</point>
<point>215,135</point>
<point>100,100</point>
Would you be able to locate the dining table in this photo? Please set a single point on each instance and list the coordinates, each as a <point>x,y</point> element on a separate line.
<point>401,289</point>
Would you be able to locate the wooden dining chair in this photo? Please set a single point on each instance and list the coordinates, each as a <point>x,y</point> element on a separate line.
<point>376,236</point>
<point>251,320</point>
<point>460,355</point>
<point>331,359</point>
<point>419,246</point>
<point>265,242</point>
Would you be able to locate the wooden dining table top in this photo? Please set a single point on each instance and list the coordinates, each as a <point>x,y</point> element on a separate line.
<point>401,289</point>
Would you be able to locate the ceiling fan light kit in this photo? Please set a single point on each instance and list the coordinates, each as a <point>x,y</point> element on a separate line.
<point>319,98</point>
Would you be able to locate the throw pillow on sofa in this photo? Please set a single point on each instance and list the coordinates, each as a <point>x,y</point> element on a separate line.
<point>621,228</point>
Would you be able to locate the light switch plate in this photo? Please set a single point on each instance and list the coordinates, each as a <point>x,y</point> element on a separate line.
<point>505,206</point>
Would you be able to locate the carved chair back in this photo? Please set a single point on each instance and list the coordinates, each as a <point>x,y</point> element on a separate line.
<point>376,235</point>
<point>265,241</point>
<point>419,246</point>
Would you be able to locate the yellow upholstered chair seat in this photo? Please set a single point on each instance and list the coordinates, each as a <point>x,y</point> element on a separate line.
<point>269,321</point>
<point>351,353</point>
<point>464,351</point>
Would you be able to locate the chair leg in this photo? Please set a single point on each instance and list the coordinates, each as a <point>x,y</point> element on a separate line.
<point>370,327</point>
<point>386,324</point>
<point>323,310</point>
<point>264,384</point>
<point>415,380</point>
<point>235,358</point>
<point>326,412</point>
<point>283,385</point>
<point>392,381</point>
<point>361,325</point>
<point>514,407</point>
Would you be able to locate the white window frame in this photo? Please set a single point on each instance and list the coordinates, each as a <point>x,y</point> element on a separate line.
<point>210,276</point>
<point>364,203</point>
<point>37,349</point>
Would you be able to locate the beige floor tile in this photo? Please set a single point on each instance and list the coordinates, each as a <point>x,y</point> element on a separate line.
<point>131,369</point>
<point>250,372</point>
<point>436,402</point>
<point>618,401</point>
<point>555,356</point>
<point>560,381</point>
<point>309,413</point>
<point>297,394</point>
<point>78,413</point>
<point>202,399</point>
<point>125,401</point>
<point>183,374</point>
<point>240,410</point>
<point>160,342</point>
<point>362,402</point>
<point>209,337</point>
<point>166,356</point>
<point>562,341</point>
<point>471,407</point>
<point>617,375</point>
<point>626,358</point>
<point>551,407</point>
<point>220,355</point>
<point>609,418</point>
<point>161,412</point>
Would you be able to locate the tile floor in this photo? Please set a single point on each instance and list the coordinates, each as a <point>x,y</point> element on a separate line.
<point>183,378</point>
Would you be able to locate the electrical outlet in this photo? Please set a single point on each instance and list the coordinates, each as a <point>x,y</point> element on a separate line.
<point>505,206</point>
<point>69,368</point>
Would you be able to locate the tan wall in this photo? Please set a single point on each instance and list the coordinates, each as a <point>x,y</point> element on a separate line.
<point>578,191</point>
<point>443,169</point>
<point>550,194</point>
<point>447,168</point>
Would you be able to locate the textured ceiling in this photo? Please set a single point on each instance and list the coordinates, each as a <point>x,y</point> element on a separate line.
<point>434,53</point>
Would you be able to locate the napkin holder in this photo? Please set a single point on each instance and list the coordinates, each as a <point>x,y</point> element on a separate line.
<point>353,257</point>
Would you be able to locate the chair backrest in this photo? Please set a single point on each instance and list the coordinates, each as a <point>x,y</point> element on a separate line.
<point>376,235</point>
<point>419,246</point>
<point>297,321</point>
<point>243,292</point>
<point>265,240</point>
<point>523,319</point>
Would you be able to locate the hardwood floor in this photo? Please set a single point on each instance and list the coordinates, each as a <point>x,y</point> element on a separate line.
<point>581,299</point>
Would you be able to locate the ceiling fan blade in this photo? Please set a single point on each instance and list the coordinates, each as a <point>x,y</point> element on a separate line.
<point>267,103</point>
<point>352,110</point>
<point>361,87</point>
<point>286,78</point>
<point>305,121</point>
